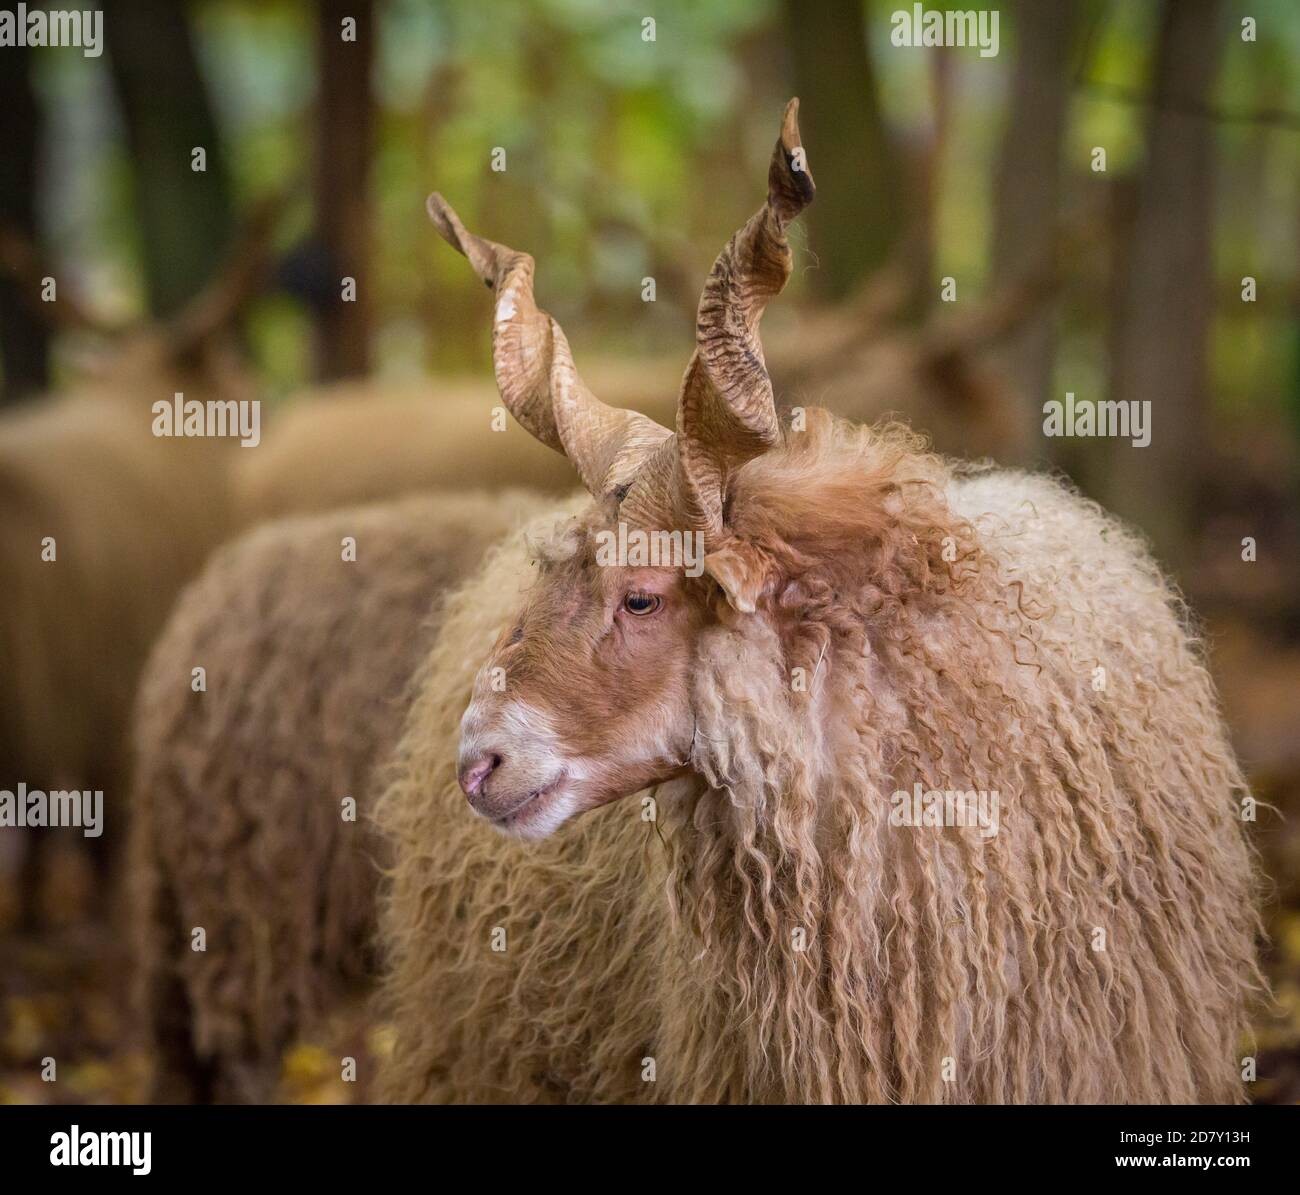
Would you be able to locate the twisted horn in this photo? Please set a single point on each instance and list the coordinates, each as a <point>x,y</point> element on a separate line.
<point>726,414</point>
<point>535,373</point>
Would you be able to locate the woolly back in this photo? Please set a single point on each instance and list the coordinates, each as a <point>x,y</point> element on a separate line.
<point>131,517</point>
<point>308,658</point>
<point>359,444</point>
<point>1099,946</point>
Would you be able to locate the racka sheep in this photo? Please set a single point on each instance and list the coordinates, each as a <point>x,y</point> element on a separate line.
<point>103,523</point>
<point>784,915</point>
<point>241,825</point>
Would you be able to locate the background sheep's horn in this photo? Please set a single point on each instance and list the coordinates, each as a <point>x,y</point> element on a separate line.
<point>22,261</point>
<point>726,413</point>
<point>244,272</point>
<point>535,372</point>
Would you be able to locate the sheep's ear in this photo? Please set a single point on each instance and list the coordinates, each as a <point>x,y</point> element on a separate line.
<point>741,571</point>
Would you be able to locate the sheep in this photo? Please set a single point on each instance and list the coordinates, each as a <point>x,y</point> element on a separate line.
<point>936,804</point>
<point>238,821</point>
<point>103,523</point>
<point>128,518</point>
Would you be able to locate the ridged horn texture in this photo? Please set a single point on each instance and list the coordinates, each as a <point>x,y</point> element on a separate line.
<point>727,414</point>
<point>535,372</point>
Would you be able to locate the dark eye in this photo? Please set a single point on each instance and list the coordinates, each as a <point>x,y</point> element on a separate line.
<point>642,604</point>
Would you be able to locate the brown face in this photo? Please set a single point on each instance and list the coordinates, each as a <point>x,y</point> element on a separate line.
<point>586,698</point>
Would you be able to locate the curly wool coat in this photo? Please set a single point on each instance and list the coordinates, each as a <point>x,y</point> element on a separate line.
<point>765,930</point>
<point>240,825</point>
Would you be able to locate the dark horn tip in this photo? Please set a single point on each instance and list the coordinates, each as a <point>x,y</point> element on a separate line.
<point>804,186</point>
<point>790,183</point>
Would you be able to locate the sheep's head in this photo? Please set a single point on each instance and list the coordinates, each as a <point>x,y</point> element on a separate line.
<point>586,697</point>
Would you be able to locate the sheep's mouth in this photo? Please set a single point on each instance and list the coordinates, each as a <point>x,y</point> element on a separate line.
<point>532,804</point>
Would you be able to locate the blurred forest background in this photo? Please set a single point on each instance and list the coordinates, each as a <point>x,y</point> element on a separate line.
<point>965,254</point>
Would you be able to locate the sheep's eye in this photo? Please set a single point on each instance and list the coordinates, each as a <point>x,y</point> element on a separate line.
<point>642,604</point>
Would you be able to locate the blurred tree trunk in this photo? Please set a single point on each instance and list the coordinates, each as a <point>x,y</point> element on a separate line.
<point>343,152</point>
<point>922,160</point>
<point>447,323</point>
<point>185,214</point>
<point>24,337</point>
<point>857,218</point>
<point>1027,198</point>
<point>1164,315</point>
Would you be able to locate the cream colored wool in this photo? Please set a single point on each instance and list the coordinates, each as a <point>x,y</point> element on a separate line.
<point>370,440</point>
<point>344,449</point>
<point>131,516</point>
<point>656,961</point>
<point>238,823</point>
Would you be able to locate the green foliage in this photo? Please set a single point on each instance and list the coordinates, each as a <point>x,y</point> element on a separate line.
<point>629,158</point>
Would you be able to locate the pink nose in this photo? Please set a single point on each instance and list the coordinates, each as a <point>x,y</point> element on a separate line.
<point>474,775</point>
